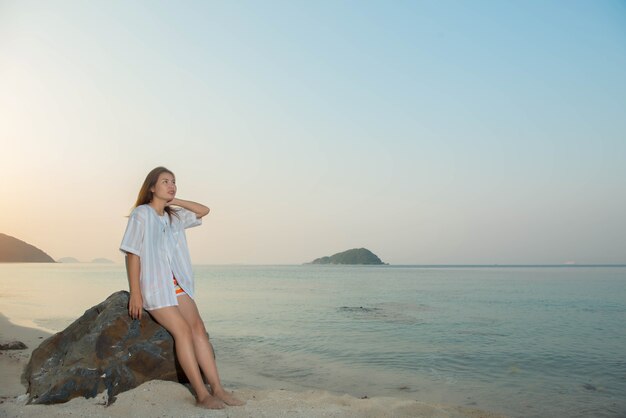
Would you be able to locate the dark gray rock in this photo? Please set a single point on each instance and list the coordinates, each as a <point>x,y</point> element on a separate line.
<point>13,345</point>
<point>103,349</point>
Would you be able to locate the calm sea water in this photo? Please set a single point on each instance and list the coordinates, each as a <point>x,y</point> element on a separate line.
<point>527,342</point>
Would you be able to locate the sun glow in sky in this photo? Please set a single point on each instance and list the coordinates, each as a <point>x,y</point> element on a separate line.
<point>426,131</point>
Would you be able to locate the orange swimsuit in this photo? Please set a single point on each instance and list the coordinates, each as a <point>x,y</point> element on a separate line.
<point>179,290</point>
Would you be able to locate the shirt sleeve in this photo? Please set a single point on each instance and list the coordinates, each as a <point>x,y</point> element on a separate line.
<point>133,237</point>
<point>188,218</point>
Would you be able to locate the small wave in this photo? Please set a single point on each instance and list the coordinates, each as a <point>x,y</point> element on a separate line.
<point>287,374</point>
<point>358,309</point>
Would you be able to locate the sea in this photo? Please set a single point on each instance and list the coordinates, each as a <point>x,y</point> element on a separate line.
<point>524,341</point>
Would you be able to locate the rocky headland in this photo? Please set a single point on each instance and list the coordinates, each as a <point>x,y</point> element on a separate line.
<point>13,250</point>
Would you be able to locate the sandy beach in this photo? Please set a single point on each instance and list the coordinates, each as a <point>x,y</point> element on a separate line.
<point>169,399</point>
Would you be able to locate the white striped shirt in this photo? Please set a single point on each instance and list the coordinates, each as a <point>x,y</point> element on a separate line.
<point>162,249</point>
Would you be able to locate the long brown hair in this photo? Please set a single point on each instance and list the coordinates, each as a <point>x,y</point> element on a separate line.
<point>145,194</point>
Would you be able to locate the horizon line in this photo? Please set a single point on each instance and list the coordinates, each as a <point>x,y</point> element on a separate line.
<point>372,265</point>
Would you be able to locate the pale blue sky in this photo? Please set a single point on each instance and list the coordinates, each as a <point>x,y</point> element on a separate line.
<point>426,131</point>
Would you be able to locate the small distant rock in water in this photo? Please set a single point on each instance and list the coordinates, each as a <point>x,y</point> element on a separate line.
<point>358,309</point>
<point>590,387</point>
<point>13,345</point>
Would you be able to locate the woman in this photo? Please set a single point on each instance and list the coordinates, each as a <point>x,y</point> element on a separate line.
<point>161,279</point>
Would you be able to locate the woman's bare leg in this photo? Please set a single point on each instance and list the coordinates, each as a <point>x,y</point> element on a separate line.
<point>204,350</point>
<point>174,322</point>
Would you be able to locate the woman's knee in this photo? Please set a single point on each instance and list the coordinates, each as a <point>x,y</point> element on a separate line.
<point>196,324</point>
<point>197,328</point>
<point>182,332</point>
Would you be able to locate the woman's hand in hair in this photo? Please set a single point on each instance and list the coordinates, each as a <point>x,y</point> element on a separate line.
<point>197,208</point>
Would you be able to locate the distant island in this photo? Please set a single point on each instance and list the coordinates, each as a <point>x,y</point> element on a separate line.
<point>353,256</point>
<point>70,260</point>
<point>67,260</point>
<point>13,250</point>
<point>102,261</point>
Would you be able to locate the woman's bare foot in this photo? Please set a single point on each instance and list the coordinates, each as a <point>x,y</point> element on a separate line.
<point>210,402</point>
<point>228,399</point>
